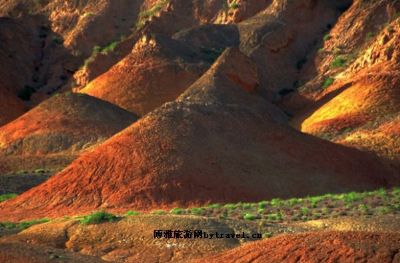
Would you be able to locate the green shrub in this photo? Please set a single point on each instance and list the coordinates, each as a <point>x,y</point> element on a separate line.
<point>230,206</point>
<point>328,82</point>
<point>27,224</point>
<point>338,62</point>
<point>327,37</point>
<point>7,197</point>
<point>249,217</point>
<point>197,211</point>
<point>132,213</point>
<point>275,217</point>
<point>149,13</point>
<point>276,202</point>
<point>177,211</point>
<point>8,225</point>
<point>98,218</point>
<point>246,206</point>
<point>109,48</point>
<point>214,206</point>
<point>234,5</point>
<point>262,204</point>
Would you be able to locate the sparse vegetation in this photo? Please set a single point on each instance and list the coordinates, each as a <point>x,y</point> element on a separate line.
<point>149,13</point>
<point>234,5</point>
<point>98,218</point>
<point>132,213</point>
<point>248,216</point>
<point>109,48</point>
<point>22,225</point>
<point>328,82</point>
<point>327,37</point>
<point>177,211</point>
<point>6,197</point>
<point>338,62</point>
<point>277,210</point>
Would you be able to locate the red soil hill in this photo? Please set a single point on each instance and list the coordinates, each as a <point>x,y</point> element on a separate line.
<point>344,247</point>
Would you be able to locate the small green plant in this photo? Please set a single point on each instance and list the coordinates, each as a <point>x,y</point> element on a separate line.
<point>197,211</point>
<point>27,224</point>
<point>369,36</point>
<point>275,217</point>
<point>234,5</point>
<point>262,204</point>
<point>132,213</point>
<point>249,217</point>
<point>6,197</point>
<point>338,62</point>
<point>328,82</point>
<point>214,206</point>
<point>177,211</point>
<point>293,201</point>
<point>230,206</point>
<point>363,209</point>
<point>327,37</point>
<point>98,218</point>
<point>109,48</point>
<point>57,40</point>
<point>276,202</point>
<point>149,13</point>
<point>246,206</point>
<point>304,210</point>
<point>159,212</point>
<point>8,225</point>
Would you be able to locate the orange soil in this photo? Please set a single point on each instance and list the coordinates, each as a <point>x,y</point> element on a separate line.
<point>318,247</point>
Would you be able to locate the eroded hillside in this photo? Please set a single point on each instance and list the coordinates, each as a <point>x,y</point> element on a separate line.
<point>143,105</point>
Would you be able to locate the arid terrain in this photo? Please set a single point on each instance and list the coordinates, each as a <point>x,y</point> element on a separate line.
<point>131,130</point>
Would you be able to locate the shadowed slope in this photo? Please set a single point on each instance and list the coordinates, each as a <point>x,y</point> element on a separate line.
<point>10,106</point>
<point>218,142</point>
<point>281,38</point>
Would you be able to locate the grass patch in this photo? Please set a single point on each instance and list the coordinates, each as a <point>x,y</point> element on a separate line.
<point>159,212</point>
<point>249,217</point>
<point>132,213</point>
<point>197,211</point>
<point>214,206</point>
<point>98,218</point>
<point>6,197</point>
<point>177,211</point>
<point>146,15</point>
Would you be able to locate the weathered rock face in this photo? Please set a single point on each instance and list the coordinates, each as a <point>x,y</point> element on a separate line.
<point>60,128</point>
<point>280,39</point>
<point>359,107</point>
<point>218,142</point>
<point>323,247</point>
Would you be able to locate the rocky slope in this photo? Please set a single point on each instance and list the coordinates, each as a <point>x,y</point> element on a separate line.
<point>243,152</point>
<point>57,131</point>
